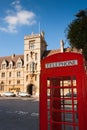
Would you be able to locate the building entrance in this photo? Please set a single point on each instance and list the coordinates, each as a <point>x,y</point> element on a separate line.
<point>30,89</point>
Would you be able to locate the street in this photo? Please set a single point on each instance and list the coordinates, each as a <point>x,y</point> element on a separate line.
<point>19,113</point>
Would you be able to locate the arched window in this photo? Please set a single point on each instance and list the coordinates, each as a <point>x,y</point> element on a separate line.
<point>3,74</point>
<point>10,74</point>
<point>18,74</point>
<point>27,67</point>
<point>27,57</point>
<point>27,78</point>
<point>32,67</point>
<point>36,56</point>
<point>2,86</point>
<point>18,81</point>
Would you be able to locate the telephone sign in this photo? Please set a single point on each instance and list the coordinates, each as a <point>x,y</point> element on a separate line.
<point>61,64</point>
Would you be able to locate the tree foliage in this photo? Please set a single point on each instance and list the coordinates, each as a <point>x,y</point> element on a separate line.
<point>77,32</point>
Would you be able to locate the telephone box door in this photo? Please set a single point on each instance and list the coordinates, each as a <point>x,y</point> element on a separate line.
<point>62,103</point>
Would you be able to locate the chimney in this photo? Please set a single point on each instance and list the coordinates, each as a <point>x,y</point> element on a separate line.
<point>13,55</point>
<point>62,45</point>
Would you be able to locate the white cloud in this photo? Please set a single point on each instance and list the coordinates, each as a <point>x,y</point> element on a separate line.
<point>16,5</point>
<point>15,2</point>
<point>25,17</point>
<point>3,29</point>
<point>11,20</point>
<point>17,17</point>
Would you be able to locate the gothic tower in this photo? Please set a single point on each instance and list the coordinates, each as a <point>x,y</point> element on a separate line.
<point>34,47</point>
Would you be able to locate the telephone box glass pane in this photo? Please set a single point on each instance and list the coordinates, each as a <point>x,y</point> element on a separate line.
<point>67,117</point>
<point>48,83</point>
<point>74,80</point>
<point>55,92</point>
<point>48,103</point>
<point>49,127</point>
<point>56,126</point>
<point>48,92</point>
<point>65,81</point>
<point>74,92</point>
<point>68,127</point>
<point>76,117</point>
<point>66,105</point>
<point>56,104</point>
<point>66,92</point>
<point>48,115</point>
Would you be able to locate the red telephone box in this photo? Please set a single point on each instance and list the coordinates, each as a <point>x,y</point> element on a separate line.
<point>63,92</point>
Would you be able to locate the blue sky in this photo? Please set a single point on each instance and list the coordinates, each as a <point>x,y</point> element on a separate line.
<point>22,17</point>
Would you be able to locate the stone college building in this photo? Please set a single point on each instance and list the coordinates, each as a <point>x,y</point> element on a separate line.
<point>22,72</point>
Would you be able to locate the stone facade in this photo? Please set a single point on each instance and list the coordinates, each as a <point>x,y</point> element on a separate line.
<point>22,72</point>
<point>12,73</point>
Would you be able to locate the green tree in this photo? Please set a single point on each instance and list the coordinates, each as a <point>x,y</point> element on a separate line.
<point>77,32</point>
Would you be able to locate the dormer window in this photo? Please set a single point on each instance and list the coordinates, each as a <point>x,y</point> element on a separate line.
<point>19,63</point>
<point>10,64</point>
<point>3,66</point>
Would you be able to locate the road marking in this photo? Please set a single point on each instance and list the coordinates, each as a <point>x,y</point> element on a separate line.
<point>34,114</point>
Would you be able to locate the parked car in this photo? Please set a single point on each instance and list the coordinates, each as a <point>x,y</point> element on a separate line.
<point>24,94</point>
<point>8,94</point>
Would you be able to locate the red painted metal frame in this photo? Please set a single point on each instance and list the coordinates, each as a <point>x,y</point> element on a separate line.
<point>81,86</point>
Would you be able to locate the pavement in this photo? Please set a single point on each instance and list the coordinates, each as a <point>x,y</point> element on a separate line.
<point>19,113</point>
<point>35,98</point>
